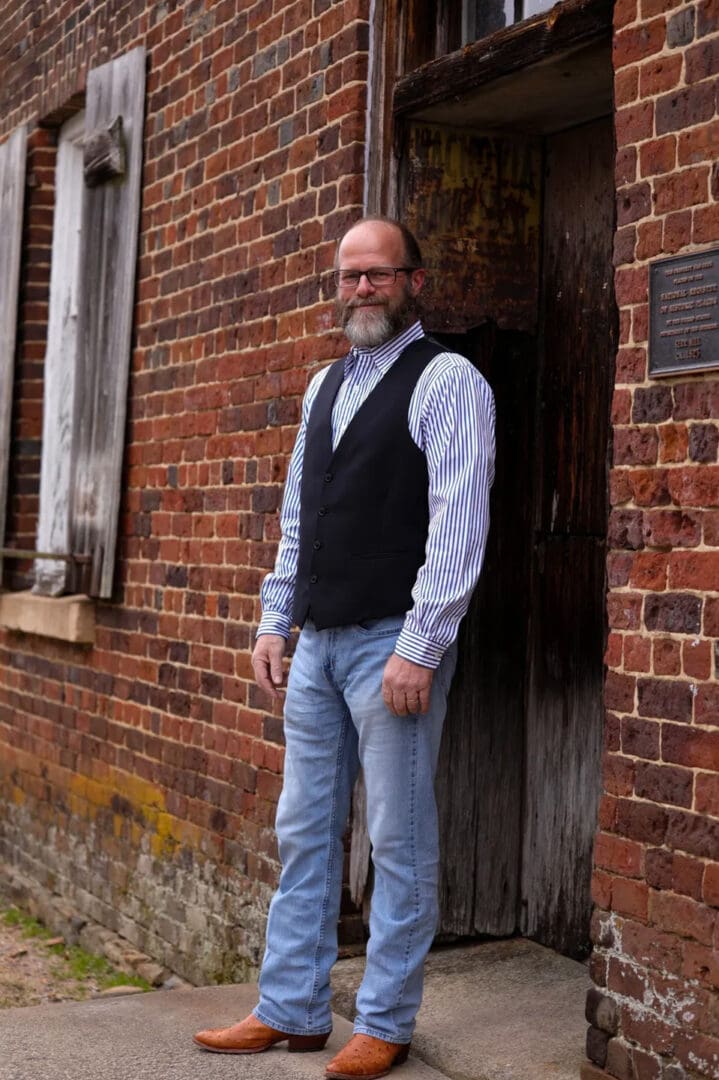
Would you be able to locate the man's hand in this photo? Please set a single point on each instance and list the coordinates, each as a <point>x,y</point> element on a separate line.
<point>267,663</point>
<point>406,686</point>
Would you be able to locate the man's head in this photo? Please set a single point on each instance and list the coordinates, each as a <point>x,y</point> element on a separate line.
<point>372,309</point>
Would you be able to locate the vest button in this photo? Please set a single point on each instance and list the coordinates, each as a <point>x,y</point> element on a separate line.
<point>322,511</point>
<point>328,477</point>
<point>313,579</point>
<point>317,545</point>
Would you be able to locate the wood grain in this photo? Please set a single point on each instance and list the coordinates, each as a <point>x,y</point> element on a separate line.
<point>12,197</point>
<point>110,229</point>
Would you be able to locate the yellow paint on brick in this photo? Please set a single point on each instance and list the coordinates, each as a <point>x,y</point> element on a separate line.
<point>87,794</point>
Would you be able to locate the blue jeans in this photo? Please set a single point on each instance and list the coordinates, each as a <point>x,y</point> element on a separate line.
<point>335,721</point>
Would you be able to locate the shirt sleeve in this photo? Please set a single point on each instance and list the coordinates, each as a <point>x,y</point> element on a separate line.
<point>456,432</point>
<point>278,588</point>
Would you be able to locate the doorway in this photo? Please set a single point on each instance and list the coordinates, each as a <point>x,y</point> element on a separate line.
<point>519,778</point>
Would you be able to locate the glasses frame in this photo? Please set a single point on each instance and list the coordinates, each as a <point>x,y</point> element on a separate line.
<point>339,284</point>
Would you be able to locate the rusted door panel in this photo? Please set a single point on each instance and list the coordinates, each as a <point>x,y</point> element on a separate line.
<point>564,701</point>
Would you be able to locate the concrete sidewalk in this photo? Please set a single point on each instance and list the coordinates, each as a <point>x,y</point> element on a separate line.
<point>506,1010</point>
<point>148,1037</point>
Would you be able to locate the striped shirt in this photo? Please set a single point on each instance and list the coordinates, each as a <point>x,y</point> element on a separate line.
<point>451,419</point>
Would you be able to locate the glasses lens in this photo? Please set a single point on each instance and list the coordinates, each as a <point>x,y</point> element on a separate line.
<point>347,278</point>
<point>382,275</point>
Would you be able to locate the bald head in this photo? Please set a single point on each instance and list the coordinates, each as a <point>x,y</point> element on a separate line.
<point>379,227</point>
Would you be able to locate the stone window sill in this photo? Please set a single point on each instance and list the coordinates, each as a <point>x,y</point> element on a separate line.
<point>65,618</point>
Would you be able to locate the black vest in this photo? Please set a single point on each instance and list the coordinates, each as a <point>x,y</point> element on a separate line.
<point>364,510</point>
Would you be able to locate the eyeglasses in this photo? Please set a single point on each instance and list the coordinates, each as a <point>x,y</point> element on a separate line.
<point>376,275</point>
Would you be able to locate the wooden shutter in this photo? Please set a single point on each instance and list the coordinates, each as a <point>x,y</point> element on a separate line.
<point>110,224</point>
<point>60,375</point>
<point>12,192</point>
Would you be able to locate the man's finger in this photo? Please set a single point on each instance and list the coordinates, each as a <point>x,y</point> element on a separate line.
<point>276,669</point>
<point>262,676</point>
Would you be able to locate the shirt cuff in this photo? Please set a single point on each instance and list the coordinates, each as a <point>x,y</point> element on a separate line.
<point>418,649</point>
<point>274,622</point>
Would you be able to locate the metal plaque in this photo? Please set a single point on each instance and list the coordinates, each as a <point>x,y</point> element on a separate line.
<point>684,313</point>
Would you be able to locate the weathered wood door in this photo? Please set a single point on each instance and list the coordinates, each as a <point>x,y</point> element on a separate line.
<point>519,776</point>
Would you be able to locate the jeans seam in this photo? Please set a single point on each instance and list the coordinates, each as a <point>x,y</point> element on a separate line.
<point>413,849</point>
<point>331,858</point>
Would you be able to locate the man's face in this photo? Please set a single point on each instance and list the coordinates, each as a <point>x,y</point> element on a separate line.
<point>372,314</point>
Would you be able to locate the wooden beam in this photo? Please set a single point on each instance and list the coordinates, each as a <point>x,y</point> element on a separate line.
<point>564,28</point>
<point>12,196</point>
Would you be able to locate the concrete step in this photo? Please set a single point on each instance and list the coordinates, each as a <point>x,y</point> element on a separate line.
<point>148,1037</point>
<point>500,1010</point>
<point>496,1010</point>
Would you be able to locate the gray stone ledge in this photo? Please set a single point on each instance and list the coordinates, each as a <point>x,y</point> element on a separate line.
<point>65,618</point>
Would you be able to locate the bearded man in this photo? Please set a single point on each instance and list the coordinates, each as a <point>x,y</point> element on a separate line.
<point>384,523</point>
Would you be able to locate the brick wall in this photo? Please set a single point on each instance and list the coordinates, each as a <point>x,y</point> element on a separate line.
<point>139,777</point>
<point>655,1014</point>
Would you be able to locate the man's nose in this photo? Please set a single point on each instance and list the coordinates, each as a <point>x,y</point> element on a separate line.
<point>364,285</point>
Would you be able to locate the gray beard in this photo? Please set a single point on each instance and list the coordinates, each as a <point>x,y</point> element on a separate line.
<point>366,328</point>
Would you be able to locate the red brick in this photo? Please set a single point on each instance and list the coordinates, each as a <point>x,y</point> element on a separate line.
<point>711,616</point>
<point>677,231</point>
<point>618,854</point>
<point>692,747</point>
<point>702,60</point>
<point>694,570</point>
<point>659,75</point>
<point>673,442</point>
<point>640,738</point>
<point>689,187</point>
<point>705,224</point>
<point>630,286</point>
<point>649,571</point>
<point>666,655</point>
<point>637,653</point>
<point>672,528</point>
<point>626,86</point>
<point>684,108</point>
<point>698,144</point>
<point>652,947</point>
<point>618,774</point>
<point>637,42</point>
<point>710,889</point>
<point>707,17</point>
<point>697,659</point>
<point>697,486</point>
<point>631,365</point>
<point>706,797</point>
<point>621,407</point>
<point>692,1048</point>
<point>625,12</point>
<point>625,167</point>
<point>663,784</point>
<point>630,898</point>
<point>624,612</point>
<point>650,487</point>
<point>633,203</point>
<point>665,699</point>
<point>657,156</point>
<point>619,692</point>
<point>682,916</point>
<point>635,446</point>
<point>711,528</point>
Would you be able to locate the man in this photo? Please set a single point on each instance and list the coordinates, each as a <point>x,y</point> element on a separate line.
<point>384,522</point>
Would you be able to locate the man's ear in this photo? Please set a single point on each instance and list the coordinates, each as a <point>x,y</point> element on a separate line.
<point>417,280</point>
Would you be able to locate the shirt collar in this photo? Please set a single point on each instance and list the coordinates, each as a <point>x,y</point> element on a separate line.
<point>383,356</point>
